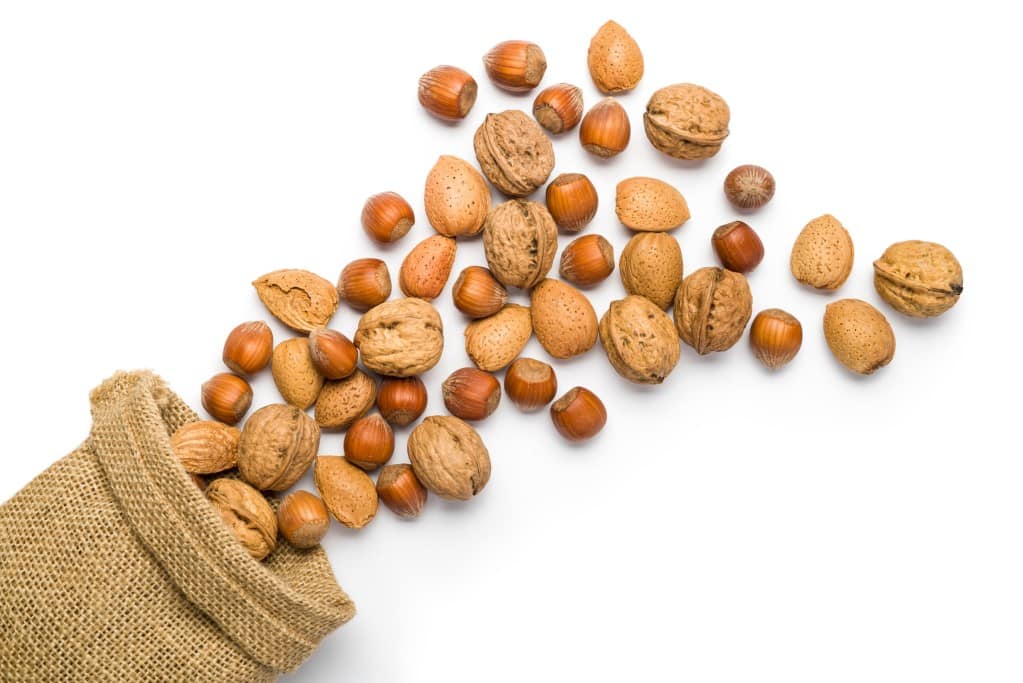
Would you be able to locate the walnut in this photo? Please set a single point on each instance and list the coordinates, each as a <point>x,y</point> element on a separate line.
<point>514,153</point>
<point>712,307</point>
<point>686,121</point>
<point>247,514</point>
<point>920,279</point>
<point>277,445</point>
<point>640,339</point>
<point>400,338</point>
<point>449,457</point>
<point>519,240</point>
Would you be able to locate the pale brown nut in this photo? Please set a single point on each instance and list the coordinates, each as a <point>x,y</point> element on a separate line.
<point>822,256</point>
<point>918,279</point>
<point>400,490</point>
<point>605,131</point>
<point>572,201</point>
<point>301,300</point>
<point>369,442</point>
<point>334,355</point>
<point>640,340</point>
<point>471,394</point>
<point>530,384</point>
<point>564,321</point>
<point>686,121</point>
<point>712,307</point>
<point>515,65</point>
<point>364,283</point>
<point>447,92</point>
<point>248,347</point>
<point>651,266</point>
<point>246,513</point>
<point>206,447</point>
<point>401,400</point>
<point>559,108</point>
<point>303,519</point>
<point>614,59</point>
<point>297,379</point>
<point>520,239</point>
<point>400,338</point>
<point>449,457</point>
<point>858,335</point>
<point>513,152</point>
<point>456,198</point>
<point>344,401</point>
<point>426,269</point>
<point>277,445</point>
<point>477,293</point>
<point>587,261</point>
<point>226,397</point>
<point>387,217</point>
<point>347,491</point>
<point>650,205</point>
<point>495,341</point>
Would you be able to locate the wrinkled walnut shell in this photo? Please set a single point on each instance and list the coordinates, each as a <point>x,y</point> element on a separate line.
<point>686,121</point>
<point>514,152</point>
<point>247,514</point>
<point>640,339</point>
<point>277,445</point>
<point>520,239</point>
<point>449,457</point>
<point>919,279</point>
<point>651,266</point>
<point>400,338</point>
<point>712,307</point>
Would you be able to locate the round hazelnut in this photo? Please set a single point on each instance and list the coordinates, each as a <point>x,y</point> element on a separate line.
<point>605,129</point>
<point>749,186</point>
<point>559,107</point>
<point>303,519</point>
<point>226,397</point>
<point>369,442</point>
<point>530,384</point>
<point>471,394</point>
<point>400,490</point>
<point>775,337</point>
<point>248,347</point>
<point>333,354</point>
<point>364,283</point>
<point>587,260</point>
<point>572,201</point>
<point>515,65</point>
<point>447,92</point>
<point>401,400</point>
<point>738,246</point>
<point>387,217</point>
<point>477,293</point>
<point>579,414</point>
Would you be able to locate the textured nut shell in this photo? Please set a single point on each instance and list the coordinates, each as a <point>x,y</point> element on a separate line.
<point>400,338</point>
<point>494,342</point>
<point>822,255</point>
<point>858,335</point>
<point>712,307</point>
<point>514,153</point>
<point>277,445</point>
<point>205,447</point>
<point>615,60</point>
<point>348,492</point>
<point>344,401</point>
<point>686,121</point>
<point>301,300</point>
<point>650,205</point>
<point>520,239</point>
<point>457,198</point>
<point>640,339</point>
<point>246,513</point>
<point>564,321</point>
<point>448,457</point>
<point>920,279</point>
<point>651,266</point>
<point>426,269</point>
<point>294,373</point>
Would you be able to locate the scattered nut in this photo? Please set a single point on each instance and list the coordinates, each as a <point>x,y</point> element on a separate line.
<point>303,519</point>
<point>650,205</point>
<point>749,186</point>
<point>919,279</point>
<point>519,241</point>
<point>276,447</point>
<point>246,513</point>
<point>387,217</point>
<point>369,442</point>
<point>333,355</point>
<point>449,457</point>
<point>471,394</point>
<point>294,373</point>
<point>640,340</point>
<point>572,201</point>
<point>605,130</point>
<point>344,401</point>
<point>494,342</point>
<point>858,335</point>
<point>615,60</point>
<point>515,65</point>
<point>530,384</point>
<point>477,293</point>
<point>301,300</point>
<point>651,266</point>
<point>426,269</point>
<point>447,92</point>
<point>712,307</point>
<point>738,246</point>
<point>364,283</point>
<point>686,121</point>
<point>401,400</point>
<point>564,321</point>
<point>587,260</point>
<point>400,338</point>
<point>775,337</point>
<point>348,492</point>
<point>206,447</point>
<point>248,348</point>
<point>559,107</point>
<point>457,198</point>
<point>400,491</point>
<point>822,255</point>
<point>579,414</point>
<point>514,153</point>
<point>226,397</point>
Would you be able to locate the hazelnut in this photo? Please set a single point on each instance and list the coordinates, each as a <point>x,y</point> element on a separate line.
<point>559,107</point>
<point>515,65</point>
<point>447,92</point>
<point>206,447</point>
<point>587,260</point>
<point>712,307</point>
<point>347,491</point>
<point>449,457</point>
<point>333,354</point>
<point>369,442</point>
<point>364,283</point>
<point>400,490</point>
<point>775,337</point>
<point>277,445</point>
<point>471,394</point>
<point>686,121</point>
<point>605,129</point>
<point>749,186</point>
<point>919,279</point>
<point>579,414</point>
<point>477,293</point>
<point>226,397</point>
<point>858,335</point>
<point>248,347</point>
<point>387,217</point>
<point>572,201</point>
<point>426,269</point>
<point>246,513</point>
<point>530,384</point>
<point>513,152</point>
<point>401,400</point>
<point>303,519</point>
<point>738,247</point>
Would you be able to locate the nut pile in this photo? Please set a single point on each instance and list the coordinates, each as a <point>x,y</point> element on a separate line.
<point>342,380</point>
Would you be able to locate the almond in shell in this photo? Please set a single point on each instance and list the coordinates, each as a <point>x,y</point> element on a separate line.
<point>426,269</point>
<point>344,401</point>
<point>564,321</point>
<point>457,198</point>
<point>650,205</point>
<point>347,491</point>
<point>301,300</point>
<point>294,373</point>
<point>495,341</point>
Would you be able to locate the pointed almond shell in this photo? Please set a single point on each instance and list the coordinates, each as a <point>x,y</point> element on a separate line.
<point>457,198</point>
<point>426,269</point>
<point>494,342</point>
<point>650,205</point>
<point>348,492</point>
<point>294,373</point>
<point>301,300</point>
<point>615,60</point>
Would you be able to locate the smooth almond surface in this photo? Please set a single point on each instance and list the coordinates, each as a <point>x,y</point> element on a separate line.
<point>650,205</point>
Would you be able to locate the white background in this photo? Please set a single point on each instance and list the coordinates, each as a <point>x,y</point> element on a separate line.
<point>730,525</point>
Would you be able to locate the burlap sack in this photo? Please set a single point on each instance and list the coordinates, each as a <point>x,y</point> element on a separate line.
<point>113,567</point>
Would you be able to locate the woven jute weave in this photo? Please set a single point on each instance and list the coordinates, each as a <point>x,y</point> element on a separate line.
<point>113,567</point>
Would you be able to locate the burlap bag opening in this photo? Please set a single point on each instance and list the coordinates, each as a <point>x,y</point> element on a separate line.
<point>113,567</point>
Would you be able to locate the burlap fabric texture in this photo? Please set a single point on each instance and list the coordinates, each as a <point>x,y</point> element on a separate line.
<point>113,567</point>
